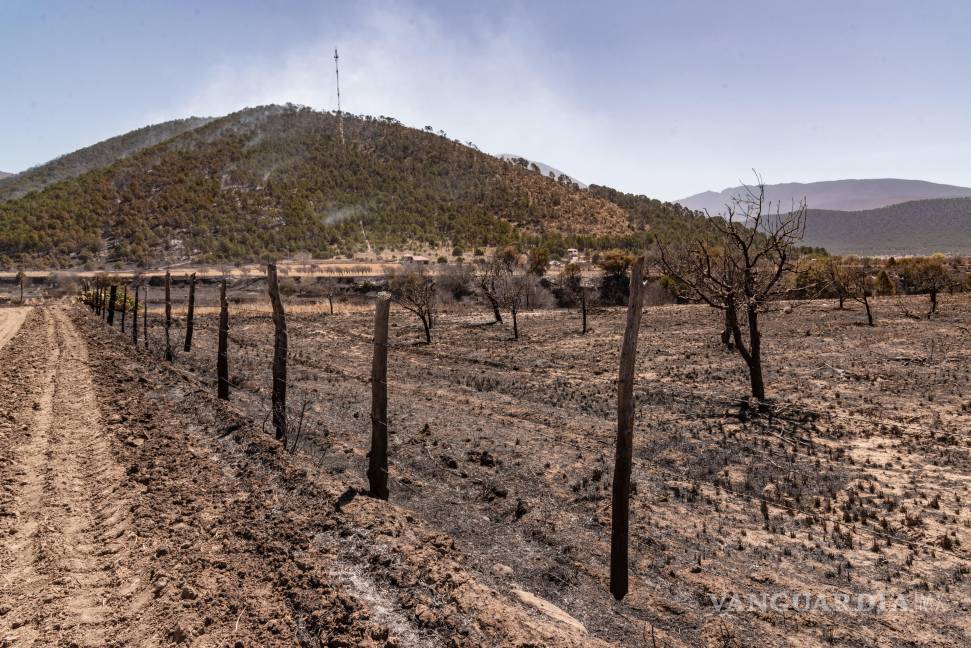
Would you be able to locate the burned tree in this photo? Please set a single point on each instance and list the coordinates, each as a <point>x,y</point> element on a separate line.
<point>377,471</point>
<point>414,290</point>
<point>222,353</point>
<point>620,503</point>
<point>860,284</point>
<point>737,266</point>
<point>487,282</point>
<point>187,346</point>
<point>279,394</point>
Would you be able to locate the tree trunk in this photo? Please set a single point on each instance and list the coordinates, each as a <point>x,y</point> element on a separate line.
<point>124,307</point>
<point>377,471</point>
<point>515,324</point>
<point>495,308</point>
<point>134,320</point>
<point>330,300</point>
<point>279,399</point>
<point>222,355</point>
<point>113,292</point>
<point>426,323</point>
<point>189,314</point>
<point>620,503</point>
<point>168,317</point>
<point>932,296</point>
<point>727,331</point>
<point>869,313</point>
<point>755,355</point>
<point>841,299</point>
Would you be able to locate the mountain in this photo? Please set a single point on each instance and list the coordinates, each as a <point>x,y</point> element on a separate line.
<point>276,181</point>
<point>5,175</point>
<point>916,227</point>
<point>844,195</point>
<point>93,157</point>
<point>539,167</point>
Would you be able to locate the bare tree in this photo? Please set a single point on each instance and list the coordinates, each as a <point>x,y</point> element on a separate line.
<point>414,290</point>
<point>487,282</point>
<point>738,267</point>
<point>330,288</point>
<point>860,284</point>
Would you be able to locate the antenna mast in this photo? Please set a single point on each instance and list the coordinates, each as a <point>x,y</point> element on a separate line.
<point>340,115</point>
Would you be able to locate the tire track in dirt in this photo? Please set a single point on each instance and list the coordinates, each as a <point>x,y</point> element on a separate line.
<point>62,561</point>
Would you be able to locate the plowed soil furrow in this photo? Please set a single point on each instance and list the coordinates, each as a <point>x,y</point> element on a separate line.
<point>70,521</point>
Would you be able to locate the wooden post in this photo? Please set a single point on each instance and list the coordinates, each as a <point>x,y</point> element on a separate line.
<point>124,306</point>
<point>279,399</point>
<point>620,506</point>
<point>168,316</point>
<point>99,300</point>
<point>145,317</point>
<point>222,355</point>
<point>377,472</point>
<point>134,319</point>
<point>583,308</point>
<point>113,292</point>
<point>188,319</point>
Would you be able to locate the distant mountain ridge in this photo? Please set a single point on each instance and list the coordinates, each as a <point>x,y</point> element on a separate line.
<point>5,175</point>
<point>835,195</point>
<point>916,227</point>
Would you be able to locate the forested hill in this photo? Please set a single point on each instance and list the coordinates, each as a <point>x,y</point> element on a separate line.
<point>5,175</point>
<point>276,181</point>
<point>93,157</point>
<point>916,227</point>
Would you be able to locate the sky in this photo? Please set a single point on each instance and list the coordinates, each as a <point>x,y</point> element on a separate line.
<point>665,99</point>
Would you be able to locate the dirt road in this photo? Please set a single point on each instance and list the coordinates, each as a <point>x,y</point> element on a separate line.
<point>10,321</point>
<point>137,510</point>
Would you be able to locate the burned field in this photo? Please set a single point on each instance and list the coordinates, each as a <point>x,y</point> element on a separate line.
<point>856,485</point>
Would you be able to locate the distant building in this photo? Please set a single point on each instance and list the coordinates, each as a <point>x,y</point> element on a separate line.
<point>415,258</point>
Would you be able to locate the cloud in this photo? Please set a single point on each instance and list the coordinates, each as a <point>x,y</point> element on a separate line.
<point>495,85</point>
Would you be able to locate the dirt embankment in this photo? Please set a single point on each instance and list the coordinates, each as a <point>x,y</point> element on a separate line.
<point>137,510</point>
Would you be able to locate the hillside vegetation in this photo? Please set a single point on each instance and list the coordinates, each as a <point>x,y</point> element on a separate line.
<point>916,227</point>
<point>276,181</point>
<point>92,157</point>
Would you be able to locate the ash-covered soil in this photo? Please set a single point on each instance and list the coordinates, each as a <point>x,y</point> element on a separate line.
<point>507,447</point>
<point>138,510</point>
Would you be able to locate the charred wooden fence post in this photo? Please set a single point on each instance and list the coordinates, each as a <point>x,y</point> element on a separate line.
<point>113,297</point>
<point>188,318</point>
<point>620,505</point>
<point>168,317</point>
<point>145,318</point>
<point>222,355</point>
<point>279,398</point>
<point>134,319</point>
<point>377,472</point>
<point>97,301</point>
<point>124,306</point>
<point>583,307</point>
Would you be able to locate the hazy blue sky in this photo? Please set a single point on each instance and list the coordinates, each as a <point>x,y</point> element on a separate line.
<point>666,99</point>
